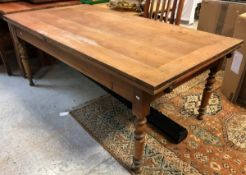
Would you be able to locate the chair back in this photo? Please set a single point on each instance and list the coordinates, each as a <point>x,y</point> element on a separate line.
<point>168,11</point>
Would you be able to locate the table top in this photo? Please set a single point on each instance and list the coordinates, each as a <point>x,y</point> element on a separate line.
<point>20,6</point>
<point>145,51</point>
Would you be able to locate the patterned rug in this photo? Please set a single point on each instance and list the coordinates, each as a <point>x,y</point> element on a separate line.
<point>214,146</point>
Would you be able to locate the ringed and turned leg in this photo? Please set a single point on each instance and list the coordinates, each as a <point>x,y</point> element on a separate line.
<point>140,109</point>
<point>208,90</point>
<point>25,61</point>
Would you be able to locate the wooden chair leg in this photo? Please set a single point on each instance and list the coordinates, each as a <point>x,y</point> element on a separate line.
<point>208,91</point>
<point>5,62</point>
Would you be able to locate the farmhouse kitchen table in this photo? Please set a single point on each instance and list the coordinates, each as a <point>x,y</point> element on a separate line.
<point>137,58</point>
<point>16,7</point>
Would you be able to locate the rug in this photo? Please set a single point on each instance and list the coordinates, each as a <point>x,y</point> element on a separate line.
<point>214,146</point>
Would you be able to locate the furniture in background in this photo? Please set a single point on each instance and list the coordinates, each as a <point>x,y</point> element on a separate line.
<point>169,11</point>
<point>137,63</point>
<point>2,1</point>
<point>15,7</point>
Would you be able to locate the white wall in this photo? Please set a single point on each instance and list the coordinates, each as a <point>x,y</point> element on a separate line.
<point>189,10</point>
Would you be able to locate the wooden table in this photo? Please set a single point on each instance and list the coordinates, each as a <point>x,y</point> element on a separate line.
<point>137,58</point>
<point>16,7</point>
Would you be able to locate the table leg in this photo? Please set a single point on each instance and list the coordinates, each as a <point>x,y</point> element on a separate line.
<point>208,90</point>
<point>15,43</point>
<point>140,109</point>
<point>25,61</point>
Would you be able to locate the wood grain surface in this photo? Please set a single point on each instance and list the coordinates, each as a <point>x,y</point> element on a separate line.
<point>150,53</point>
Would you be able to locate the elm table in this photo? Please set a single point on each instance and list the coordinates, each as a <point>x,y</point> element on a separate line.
<point>16,7</point>
<point>137,58</point>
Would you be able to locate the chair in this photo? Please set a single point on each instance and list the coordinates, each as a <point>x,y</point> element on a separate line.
<point>168,11</point>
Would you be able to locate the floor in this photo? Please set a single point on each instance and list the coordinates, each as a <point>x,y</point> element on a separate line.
<point>38,137</point>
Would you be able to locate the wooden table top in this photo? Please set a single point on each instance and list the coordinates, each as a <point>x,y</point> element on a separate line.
<point>145,51</point>
<point>20,6</point>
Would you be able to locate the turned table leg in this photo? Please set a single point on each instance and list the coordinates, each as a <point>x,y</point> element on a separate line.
<point>140,109</point>
<point>207,90</point>
<point>25,61</point>
<point>139,138</point>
